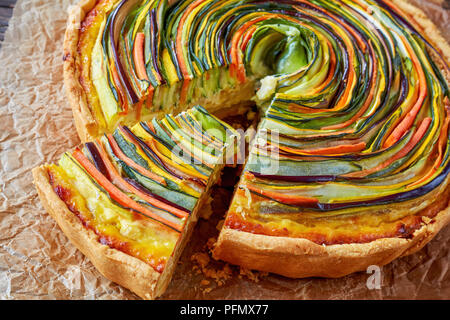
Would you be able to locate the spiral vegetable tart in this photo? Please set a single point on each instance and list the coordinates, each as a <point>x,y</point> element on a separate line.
<point>350,163</point>
<point>129,200</point>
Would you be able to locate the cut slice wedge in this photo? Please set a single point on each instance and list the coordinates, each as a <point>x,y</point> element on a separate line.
<point>129,201</point>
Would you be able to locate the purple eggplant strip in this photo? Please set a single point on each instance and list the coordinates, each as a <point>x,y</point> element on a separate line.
<point>394,198</point>
<point>98,161</point>
<point>154,44</point>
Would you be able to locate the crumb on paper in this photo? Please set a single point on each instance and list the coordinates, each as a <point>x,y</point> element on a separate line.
<point>218,272</point>
<point>205,282</point>
<point>254,276</point>
<point>206,210</point>
<point>206,290</point>
<point>201,259</point>
<point>211,243</point>
<point>219,275</point>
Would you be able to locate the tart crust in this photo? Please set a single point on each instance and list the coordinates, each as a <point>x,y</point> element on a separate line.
<point>115,265</point>
<point>299,257</point>
<point>84,120</point>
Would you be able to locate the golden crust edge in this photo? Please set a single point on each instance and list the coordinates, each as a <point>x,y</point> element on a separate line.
<point>83,117</point>
<point>115,265</point>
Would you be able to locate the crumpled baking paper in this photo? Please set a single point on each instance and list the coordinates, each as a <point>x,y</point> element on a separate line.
<point>38,262</point>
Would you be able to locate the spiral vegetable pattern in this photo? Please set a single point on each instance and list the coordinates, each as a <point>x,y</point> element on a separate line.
<point>356,110</point>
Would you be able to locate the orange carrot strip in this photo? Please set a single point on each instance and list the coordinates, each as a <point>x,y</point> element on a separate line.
<point>248,34</point>
<point>363,5</point>
<point>236,59</point>
<point>241,70</point>
<point>249,175</point>
<point>331,70</point>
<point>149,98</point>
<point>407,148</point>
<point>179,45</point>
<point>184,91</point>
<point>441,146</point>
<point>150,126</point>
<point>341,149</point>
<point>408,120</point>
<point>139,109</point>
<point>368,101</point>
<point>349,81</point>
<point>116,194</point>
<point>138,56</point>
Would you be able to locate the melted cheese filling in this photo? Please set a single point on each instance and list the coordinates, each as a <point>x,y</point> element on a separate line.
<point>117,227</point>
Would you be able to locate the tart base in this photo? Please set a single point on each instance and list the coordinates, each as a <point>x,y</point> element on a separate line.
<point>301,258</point>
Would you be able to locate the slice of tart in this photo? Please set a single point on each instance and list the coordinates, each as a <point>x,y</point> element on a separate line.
<point>129,200</point>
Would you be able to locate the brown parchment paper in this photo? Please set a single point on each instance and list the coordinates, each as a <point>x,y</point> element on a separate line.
<point>38,262</point>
